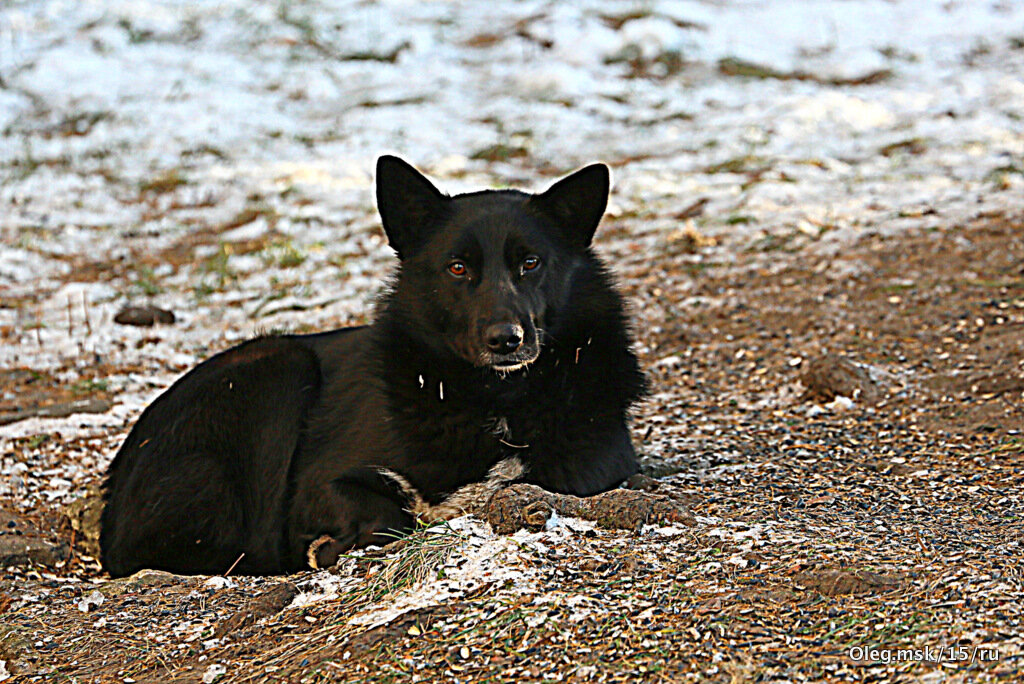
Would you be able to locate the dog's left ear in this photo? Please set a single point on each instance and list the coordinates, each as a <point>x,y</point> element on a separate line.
<point>577,202</point>
<point>408,203</point>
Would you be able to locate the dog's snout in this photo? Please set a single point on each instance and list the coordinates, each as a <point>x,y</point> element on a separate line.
<point>504,338</point>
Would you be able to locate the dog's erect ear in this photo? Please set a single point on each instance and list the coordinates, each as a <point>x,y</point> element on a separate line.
<point>577,202</point>
<point>408,203</point>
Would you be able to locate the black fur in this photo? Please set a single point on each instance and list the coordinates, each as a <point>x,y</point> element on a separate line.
<point>501,336</point>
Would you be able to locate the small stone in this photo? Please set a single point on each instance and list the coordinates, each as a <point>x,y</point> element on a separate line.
<point>145,316</point>
<point>93,600</point>
<point>218,582</point>
<point>23,545</point>
<point>831,376</point>
<point>213,673</point>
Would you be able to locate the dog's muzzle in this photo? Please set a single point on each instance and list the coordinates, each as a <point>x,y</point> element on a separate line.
<point>509,347</point>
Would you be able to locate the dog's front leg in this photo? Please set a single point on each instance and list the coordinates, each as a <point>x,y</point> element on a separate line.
<point>582,461</point>
<point>361,507</point>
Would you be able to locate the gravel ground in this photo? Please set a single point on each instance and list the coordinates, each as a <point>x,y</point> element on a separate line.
<point>818,219</point>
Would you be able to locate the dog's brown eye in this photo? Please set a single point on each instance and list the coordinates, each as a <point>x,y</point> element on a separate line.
<point>530,263</point>
<point>457,269</point>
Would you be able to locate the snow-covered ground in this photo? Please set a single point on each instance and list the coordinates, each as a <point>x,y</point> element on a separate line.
<point>129,128</point>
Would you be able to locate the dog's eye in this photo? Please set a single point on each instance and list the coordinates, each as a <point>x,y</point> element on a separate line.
<point>530,263</point>
<point>457,269</point>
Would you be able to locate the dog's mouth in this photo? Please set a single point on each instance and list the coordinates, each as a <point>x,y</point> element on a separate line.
<point>510,363</point>
<point>509,367</point>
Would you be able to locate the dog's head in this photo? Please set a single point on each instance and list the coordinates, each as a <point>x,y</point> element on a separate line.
<point>484,273</point>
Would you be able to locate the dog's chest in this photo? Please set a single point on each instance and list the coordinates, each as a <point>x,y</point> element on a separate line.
<point>453,437</point>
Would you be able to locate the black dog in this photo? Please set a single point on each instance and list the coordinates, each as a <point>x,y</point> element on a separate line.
<point>501,336</point>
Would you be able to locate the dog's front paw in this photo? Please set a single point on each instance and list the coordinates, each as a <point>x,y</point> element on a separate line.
<point>325,551</point>
<point>630,509</point>
<point>528,506</point>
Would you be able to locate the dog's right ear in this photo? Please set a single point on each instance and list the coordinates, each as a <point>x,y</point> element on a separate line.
<point>408,203</point>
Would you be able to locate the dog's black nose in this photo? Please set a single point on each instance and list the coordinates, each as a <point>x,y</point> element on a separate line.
<point>504,338</point>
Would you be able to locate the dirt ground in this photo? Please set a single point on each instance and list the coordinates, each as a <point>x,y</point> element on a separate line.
<point>845,428</point>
